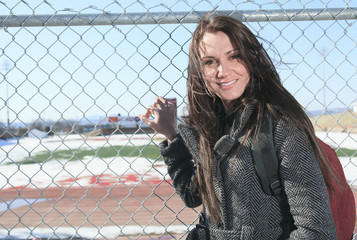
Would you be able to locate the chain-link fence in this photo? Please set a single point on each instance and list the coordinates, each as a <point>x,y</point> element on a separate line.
<point>76,162</point>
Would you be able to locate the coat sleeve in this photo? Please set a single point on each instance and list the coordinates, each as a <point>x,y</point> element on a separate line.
<point>181,169</point>
<point>304,185</point>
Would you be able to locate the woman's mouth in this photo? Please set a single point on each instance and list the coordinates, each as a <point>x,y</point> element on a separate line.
<point>227,83</point>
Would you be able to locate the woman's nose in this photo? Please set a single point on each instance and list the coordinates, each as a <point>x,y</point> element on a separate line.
<point>223,69</point>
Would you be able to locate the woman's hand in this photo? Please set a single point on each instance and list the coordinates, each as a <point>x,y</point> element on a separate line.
<point>164,114</point>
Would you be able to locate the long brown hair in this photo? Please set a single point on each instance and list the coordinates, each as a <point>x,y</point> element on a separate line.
<point>264,92</point>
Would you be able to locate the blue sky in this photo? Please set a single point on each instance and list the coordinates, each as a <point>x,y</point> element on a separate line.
<point>80,72</point>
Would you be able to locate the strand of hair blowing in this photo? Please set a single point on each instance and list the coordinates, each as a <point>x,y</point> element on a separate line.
<point>202,117</point>
<point>208,131</point>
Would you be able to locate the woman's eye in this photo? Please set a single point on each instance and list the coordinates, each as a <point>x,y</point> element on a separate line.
<point>208,62</point>
<point>235,56</point>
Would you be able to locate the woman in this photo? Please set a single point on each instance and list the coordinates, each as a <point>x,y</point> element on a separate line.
<point>232,84</point>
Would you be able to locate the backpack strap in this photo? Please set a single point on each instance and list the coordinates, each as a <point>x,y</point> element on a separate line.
<point>265,160</point>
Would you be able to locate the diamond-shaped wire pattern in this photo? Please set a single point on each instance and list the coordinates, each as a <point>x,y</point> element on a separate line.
<point>75,162</point>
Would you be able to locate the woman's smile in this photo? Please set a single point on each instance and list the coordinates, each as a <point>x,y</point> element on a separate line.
<point>227,84</point>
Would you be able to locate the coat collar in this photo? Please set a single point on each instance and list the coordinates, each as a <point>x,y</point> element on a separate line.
<point>226,142</point>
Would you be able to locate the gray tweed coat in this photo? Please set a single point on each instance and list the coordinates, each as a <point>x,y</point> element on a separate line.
<point>248,213</point>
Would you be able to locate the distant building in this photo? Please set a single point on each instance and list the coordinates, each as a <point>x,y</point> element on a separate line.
<point>4,134</point>
<point>35,133</point>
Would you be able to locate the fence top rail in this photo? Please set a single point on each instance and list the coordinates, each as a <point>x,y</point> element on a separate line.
<point>105,18</point>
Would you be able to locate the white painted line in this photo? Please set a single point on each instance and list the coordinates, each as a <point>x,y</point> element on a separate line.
<point>16,203</point>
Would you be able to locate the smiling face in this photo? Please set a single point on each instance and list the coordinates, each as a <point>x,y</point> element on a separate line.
<point>225,74</point>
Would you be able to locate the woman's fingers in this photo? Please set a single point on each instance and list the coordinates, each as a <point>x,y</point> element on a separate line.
<point>160,100</point>
<point>163,113</point>
<point>147,114</point>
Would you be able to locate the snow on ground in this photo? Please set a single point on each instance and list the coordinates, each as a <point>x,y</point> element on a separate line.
<point>58,172</point>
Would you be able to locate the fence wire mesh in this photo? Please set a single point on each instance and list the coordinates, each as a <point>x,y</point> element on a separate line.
<point>76,162</point>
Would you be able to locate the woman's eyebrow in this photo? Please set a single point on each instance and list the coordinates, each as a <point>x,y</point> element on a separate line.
<point>233,50</point>
<point>207,57</point>
<point>227,53</point>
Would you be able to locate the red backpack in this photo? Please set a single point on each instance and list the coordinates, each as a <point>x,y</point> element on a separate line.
<point>341,198</point>
<point>342,201</point>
